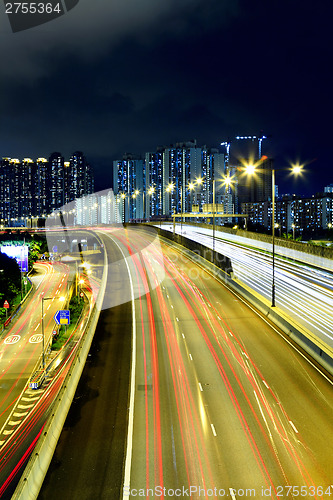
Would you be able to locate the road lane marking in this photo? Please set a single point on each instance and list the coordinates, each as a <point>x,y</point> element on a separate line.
<point>191,357</point>
<point>12,339</point>
<point>200,387</point>
<point>128,459</point>
<point>14,422</point>
<point>172,306</point>
<point>292,425</point>
<point>232,493</point>
<point>183,335</point>
<point>230,334</point>
<point>266,384</point>
<point>213,430</point>
<point>35,339</point>
<point>177,318</point>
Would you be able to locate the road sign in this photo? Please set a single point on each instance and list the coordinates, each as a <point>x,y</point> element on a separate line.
<point>62,317</point>
<point>6,304</point>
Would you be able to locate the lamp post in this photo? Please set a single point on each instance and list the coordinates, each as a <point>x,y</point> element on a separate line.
<point>214,220</point>
<point>43,333</point>
<point>293,228</point>
<point>251,170</point>
<point>123,196</point>
<point>134,208</point>
<point>150,192</point>
<point>181,210</point>
<point>134,197</point>
<point>273,237</point>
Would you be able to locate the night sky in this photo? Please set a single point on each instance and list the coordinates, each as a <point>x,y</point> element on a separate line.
<point>115,76</point>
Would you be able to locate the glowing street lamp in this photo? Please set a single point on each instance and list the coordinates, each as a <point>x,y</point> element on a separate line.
<point>296,170</point>
<point>250,169</point>
<point>62,299</point>
<point>151,191</point>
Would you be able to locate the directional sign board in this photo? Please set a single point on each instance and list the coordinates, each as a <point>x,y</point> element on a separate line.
<point>62,317</point>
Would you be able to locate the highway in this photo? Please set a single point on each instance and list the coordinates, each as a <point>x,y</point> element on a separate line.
<point>21,351</point>
<point>303,292</point>
<point>217,399</point>
<point>21,345</point>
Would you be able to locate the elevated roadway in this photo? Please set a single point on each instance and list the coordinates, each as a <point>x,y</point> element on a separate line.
<point>218,397</point>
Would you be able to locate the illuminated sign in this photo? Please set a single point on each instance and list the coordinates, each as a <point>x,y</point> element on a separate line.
<point>20,253</point>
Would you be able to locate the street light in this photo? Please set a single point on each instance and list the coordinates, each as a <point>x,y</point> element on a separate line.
<point>214,210</point>
<point>123,197</point>
<point>134,197</point>
<point>251,170</point>
<point>151,191</point>
<point>62,299</point>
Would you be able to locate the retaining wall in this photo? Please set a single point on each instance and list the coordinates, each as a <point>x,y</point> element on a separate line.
<point>303,252</point>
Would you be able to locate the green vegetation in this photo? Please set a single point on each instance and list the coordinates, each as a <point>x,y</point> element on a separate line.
<point>10,284</point>
<point>76,306</point>
<point>37,243</point>
<point>10,274</point>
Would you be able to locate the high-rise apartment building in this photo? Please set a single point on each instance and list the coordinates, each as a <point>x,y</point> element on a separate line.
<point>41,191</point>
<point>77,177</point>
<point>154,182</point>
<point>256,187</point>
<point>30,188</point>
<point>69,180</point>
<point>328,189</point>
<point>301,213</point>
<point>130,183</point>
<point>56,181</point>
<point>25,195</point>
<point>6,190</point>
<point>172,179</point>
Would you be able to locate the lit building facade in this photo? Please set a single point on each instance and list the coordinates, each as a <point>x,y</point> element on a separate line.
<point>56,181</point>
<point>130,183</point>
<point>292,212</point>
<point>77,177</point>
<point>34,188</point>
<point>41,191</point>
<point>170,180</point>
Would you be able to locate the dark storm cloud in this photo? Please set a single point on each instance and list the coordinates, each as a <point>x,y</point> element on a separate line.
<point>116,76</point>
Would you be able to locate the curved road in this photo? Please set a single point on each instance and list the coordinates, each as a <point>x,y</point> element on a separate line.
<point>303,292</point>
<point>221,399</point>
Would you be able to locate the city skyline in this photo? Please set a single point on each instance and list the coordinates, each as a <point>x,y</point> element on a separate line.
<point>113,82</point>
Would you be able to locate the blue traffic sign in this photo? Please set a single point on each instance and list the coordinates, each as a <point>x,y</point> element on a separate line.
<point>62,317</point>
